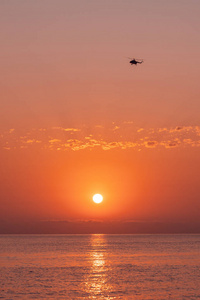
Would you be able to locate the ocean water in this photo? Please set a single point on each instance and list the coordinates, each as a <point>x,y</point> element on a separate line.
<point>100,267</point>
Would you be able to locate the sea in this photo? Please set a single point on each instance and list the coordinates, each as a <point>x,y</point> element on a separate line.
<point>98,266</point>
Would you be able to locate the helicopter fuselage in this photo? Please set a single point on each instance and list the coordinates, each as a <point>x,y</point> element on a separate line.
<point>135,62</point>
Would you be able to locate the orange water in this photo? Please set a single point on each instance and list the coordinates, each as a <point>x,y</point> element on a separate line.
<point>100,266</point>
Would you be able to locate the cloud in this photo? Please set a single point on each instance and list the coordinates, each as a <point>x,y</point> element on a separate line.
<point>151,144</point>
<point>66,129</point>
<point>29,141</point>
<point>116,127</point>
<point>88,138</point>
<point>52,141</point>
<point>128,122</point>
<point>96,226</point>
<point>172,145</point>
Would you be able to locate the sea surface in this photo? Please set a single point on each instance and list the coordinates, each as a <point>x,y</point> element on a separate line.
<point>100,267</point>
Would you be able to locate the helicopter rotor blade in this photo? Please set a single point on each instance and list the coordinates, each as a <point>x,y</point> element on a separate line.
<point>135,58</point>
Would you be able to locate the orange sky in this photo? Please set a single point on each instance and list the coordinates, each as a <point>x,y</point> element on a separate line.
<point>76,119</point>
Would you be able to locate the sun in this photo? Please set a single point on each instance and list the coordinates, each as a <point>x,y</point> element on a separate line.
<point>97,198</point>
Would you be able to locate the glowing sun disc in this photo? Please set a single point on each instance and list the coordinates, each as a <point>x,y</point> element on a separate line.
<point>97,198</point>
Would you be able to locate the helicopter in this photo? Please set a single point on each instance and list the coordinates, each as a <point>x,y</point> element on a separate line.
<point>135,62</point>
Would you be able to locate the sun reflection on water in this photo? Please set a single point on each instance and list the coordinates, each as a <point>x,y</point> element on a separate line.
<point>96,282</point>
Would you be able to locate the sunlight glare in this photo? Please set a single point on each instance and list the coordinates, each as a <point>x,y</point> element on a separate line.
<point>97,198</point>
